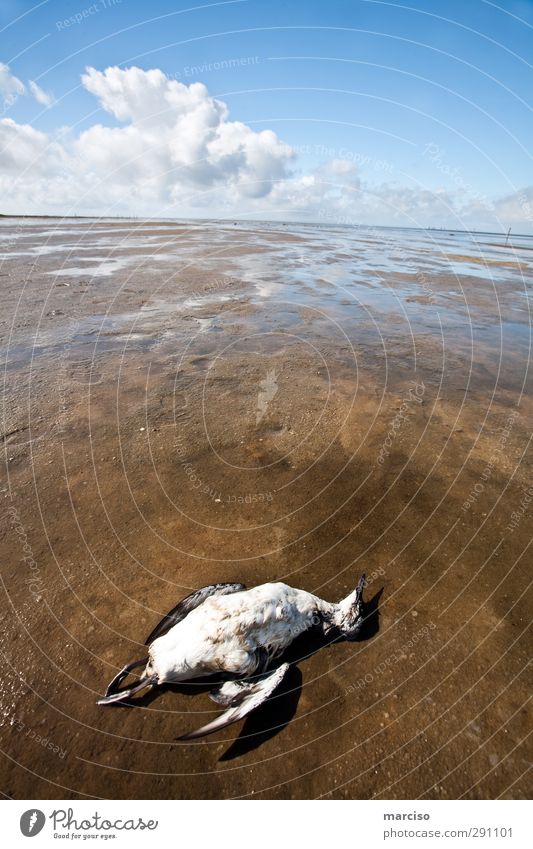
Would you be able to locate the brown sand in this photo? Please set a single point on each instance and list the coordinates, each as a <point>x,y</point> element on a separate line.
<point>256,404</point>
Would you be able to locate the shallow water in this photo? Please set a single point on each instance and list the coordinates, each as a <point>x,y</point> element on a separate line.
<point>186,403</point>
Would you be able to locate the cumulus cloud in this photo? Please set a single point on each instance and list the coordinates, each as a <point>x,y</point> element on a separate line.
<point>176,136</point>
<point>41,96</point>
<point>10,86</point>
<point>171,148</point>
<point>22,148</point>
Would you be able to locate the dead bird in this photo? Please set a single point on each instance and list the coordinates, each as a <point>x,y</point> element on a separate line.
<point>237,634</point>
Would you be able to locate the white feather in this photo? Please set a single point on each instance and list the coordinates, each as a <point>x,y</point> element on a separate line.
<point>225,632</point>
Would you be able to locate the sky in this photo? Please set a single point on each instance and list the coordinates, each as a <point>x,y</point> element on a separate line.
<point>347,111</point>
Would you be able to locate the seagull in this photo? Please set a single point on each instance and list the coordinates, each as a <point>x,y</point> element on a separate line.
<point>237,634</point>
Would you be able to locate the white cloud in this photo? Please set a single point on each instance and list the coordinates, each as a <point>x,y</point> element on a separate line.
<point>10,86</point>
<point>174,151</point>
<point>41,96</point>
<point>176,137</point>
<point>22,147</point>
<point>516,207</point>
<point>175,148</point>
<point>335,193</point>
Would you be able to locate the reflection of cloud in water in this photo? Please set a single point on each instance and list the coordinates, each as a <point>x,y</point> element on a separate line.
<point>105,267</point>
<point>192,303</point>
<point>349,260</point>
<point>485,272</point>
<point>267,288</point>
<point>108,265</point>
<point>205,324</point>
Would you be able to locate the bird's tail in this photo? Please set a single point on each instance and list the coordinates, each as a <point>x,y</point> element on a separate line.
<point>113,694</point>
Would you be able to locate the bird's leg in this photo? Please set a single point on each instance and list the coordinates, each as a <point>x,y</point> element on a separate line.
<point>263,658</point>
<point>241,697</point>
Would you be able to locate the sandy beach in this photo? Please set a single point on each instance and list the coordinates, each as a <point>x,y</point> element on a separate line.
<point>193,402</point>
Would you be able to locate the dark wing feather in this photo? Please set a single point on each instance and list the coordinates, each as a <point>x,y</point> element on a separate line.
<point>243,697</point>
<point>189,603</point>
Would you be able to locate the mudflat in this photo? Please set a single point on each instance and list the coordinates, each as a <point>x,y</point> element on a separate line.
<point>186,403</point>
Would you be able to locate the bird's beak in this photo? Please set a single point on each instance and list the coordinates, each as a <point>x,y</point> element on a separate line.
<point>359,589</point>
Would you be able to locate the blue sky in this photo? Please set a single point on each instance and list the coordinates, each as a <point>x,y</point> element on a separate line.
<point>427,105</point>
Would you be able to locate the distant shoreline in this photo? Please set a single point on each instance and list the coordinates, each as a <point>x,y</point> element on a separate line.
<point>332,223</point>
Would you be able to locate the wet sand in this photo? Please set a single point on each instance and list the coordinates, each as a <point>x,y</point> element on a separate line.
<point>192,403</point>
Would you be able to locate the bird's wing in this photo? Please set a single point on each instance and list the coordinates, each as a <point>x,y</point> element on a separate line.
<point>189,603</point>
<point>243,697</point>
